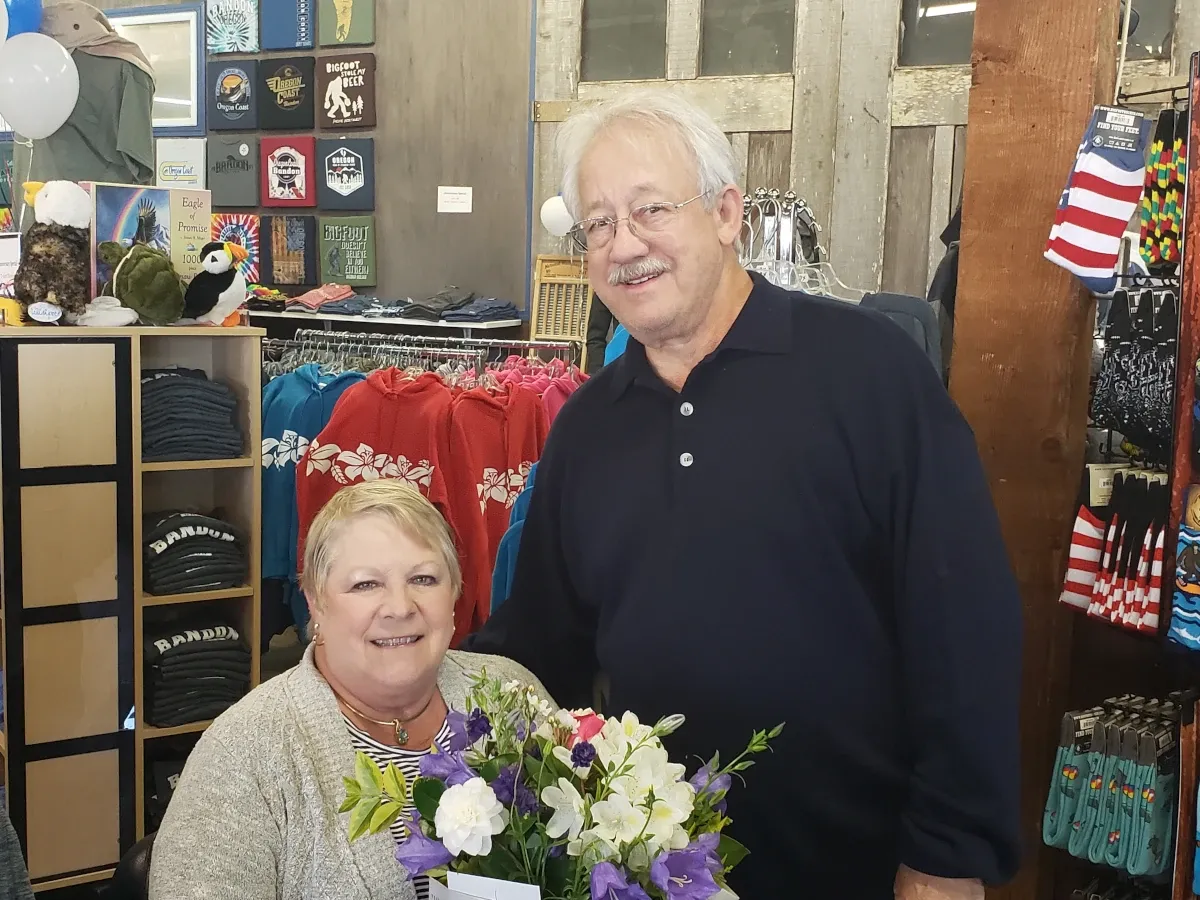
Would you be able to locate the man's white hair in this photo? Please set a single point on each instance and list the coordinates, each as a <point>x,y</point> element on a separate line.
<point>652,110</point>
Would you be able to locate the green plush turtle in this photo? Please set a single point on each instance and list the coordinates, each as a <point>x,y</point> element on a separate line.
<point>145,280</point>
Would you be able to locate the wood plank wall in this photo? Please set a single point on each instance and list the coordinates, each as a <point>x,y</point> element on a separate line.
<point>453,109</point>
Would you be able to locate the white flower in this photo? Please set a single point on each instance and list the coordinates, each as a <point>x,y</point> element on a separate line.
<point>592,848</point>
<point>565,720</point>
<point>617,820</point>
<point>672,806</point>
<point>467,816</point>
<point>512,687</point>
<point>620,736</point>
<point>568,810</point>
<point>647,769</point>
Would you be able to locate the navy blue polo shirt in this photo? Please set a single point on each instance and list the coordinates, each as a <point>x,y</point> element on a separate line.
<point>802,534</point>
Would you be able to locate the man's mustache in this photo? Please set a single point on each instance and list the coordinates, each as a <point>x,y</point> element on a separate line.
<point>636,271</point>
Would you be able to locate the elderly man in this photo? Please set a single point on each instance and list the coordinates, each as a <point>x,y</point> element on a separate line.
<point>769,509</point>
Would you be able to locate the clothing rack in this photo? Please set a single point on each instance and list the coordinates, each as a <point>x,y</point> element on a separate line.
<point>573,348</point>
<point>397,346</point>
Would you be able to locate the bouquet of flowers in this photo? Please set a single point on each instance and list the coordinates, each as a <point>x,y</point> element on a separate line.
<point>581,807</point>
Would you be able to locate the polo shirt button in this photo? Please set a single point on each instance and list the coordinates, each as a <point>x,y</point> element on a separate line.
<point>687,409</point>
<point>686,460</point>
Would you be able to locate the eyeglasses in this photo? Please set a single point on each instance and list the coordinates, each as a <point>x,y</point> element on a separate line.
<point>598,232</point>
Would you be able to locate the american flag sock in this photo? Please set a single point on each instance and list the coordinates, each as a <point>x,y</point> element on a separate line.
<point>1087,546</point>
<point>1102,195</point>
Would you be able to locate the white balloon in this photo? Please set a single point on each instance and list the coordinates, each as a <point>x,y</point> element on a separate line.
<point>39,85</point>
<point>3,21</point>
<point>555,218</point>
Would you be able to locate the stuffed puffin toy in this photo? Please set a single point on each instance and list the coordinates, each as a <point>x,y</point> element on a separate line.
<point>216,293</point>
<point>55,262</point>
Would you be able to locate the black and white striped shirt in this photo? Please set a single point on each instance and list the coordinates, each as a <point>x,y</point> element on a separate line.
<point>409,763</point>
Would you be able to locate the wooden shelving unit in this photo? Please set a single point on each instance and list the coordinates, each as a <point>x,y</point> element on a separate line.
<point>74,489</point>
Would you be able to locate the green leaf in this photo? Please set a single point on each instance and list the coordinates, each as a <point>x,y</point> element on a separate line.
<point>360,818</point>
<point>368,776</point>
<point>426,794</point>
<point>353,794</point>
<point>731,852</point>
<point>387,813</point>
<point>395,784</point>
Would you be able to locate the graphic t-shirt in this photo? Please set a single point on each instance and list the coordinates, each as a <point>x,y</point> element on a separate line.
<point>346,174</point>
<point>232,95</point>
<point>288,86</point>
<point>289,250</point>
<point>288,171</point>
<point>346,91</point>
<point>233,170</point>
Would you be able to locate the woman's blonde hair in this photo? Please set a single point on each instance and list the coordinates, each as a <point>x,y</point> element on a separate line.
<point>398,502</point>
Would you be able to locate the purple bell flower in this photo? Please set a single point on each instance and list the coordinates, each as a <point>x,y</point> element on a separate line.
<point>704,783</point>
<point>419,854</point>
<point>610,883</point>
<point>477,725</point>
<point>512,791</point>
<point>458,730</point>
<point>684,874</point>
<point>449,768</point>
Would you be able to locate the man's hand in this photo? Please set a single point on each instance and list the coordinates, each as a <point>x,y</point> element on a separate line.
<point>912,885</point>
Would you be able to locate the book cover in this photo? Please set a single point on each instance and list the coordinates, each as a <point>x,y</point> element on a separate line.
<point>232,95</point>
<point>346,174</point>
<point>348,250</point>
<point>288,171</point>
<point>233,170</point>
<point>240,228</point>
<point>232,26</point>
<point>289,250</point>
<point>288,24</point>
<point>128,214</point>
<point>191,212</point>
<point>287,93</point>
<point>346,23</point>
<point>10,261</point>
<point>346,89</point>
<point>180,163</point>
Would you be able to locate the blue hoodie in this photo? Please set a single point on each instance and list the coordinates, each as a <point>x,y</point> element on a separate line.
<point>295,407</point>
<point>506,553</point>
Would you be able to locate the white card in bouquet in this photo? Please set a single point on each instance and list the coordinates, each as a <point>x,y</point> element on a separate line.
<point>472,887</point>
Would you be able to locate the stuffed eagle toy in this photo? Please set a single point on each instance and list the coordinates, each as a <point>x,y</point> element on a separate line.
<point>55,262</point>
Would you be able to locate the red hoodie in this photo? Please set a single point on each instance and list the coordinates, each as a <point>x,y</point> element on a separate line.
<point>391,426</point>
<point>495,438</point>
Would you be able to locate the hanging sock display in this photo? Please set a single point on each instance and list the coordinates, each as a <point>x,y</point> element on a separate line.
<point>1101,196</point>
<point>1162,200</point>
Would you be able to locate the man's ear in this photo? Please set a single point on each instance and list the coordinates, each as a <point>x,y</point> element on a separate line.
<point>728,211</point>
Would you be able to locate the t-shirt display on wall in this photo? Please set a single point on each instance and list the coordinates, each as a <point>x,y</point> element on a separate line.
<point>288,171</point>
<point>346,23</point>
<point>346,89</point>
<point>232,91</point>
<point>289,250</point>
<point>240,228</point>
<point>179,162</point>
<point>233,170</point>
<point>346,174</point>
<point>288,24</point>
<point>287,88</point>
<point>348,250</point>
<point>232,26</point>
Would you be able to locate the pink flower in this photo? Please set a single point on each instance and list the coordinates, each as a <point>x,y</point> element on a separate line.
<point>590,725</point>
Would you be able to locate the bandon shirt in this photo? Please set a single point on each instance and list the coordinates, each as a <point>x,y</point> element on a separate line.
<point>803,534</point>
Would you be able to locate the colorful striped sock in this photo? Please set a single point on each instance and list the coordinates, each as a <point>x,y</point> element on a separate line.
<point>1087,546</point>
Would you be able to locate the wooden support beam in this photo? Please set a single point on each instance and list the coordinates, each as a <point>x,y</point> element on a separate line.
<point>1022,336</point>
<point>1187,35</point>
<point>683,39</point>
<point>817,63</point>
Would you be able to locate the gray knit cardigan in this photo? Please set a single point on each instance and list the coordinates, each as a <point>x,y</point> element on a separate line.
<point>254,816</point>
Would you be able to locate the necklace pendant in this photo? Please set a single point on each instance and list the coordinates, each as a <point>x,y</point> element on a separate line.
<point>401,733</point>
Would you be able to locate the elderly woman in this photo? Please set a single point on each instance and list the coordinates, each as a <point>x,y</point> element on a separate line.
<point>255,814</point>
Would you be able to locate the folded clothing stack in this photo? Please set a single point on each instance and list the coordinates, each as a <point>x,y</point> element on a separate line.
<point>187,416</point>
<point>314,300</point>
<point>483,309</point>
<point>194,671</point>
<point>186,552</point>
<point>166,774</point>
<point>439,304</point>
